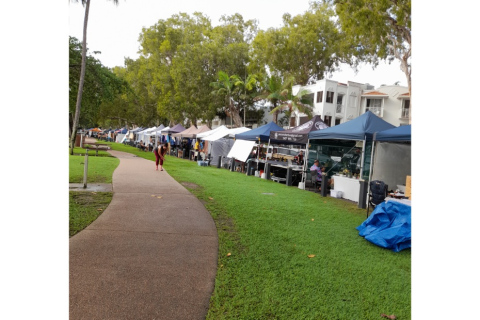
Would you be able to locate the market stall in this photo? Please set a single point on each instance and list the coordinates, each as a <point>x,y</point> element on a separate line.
<point>346,148</point>
<point>220,142</point>
<point>261,136</point>
<point>391,156</point>
<point>297,136</point>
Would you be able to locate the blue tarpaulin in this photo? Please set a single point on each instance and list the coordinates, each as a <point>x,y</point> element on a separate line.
<point>389,226</point>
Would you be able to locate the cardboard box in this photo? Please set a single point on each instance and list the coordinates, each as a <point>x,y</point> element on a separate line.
<point>408,187</point>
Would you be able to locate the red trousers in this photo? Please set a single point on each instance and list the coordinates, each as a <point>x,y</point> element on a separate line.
<point>158,159</point>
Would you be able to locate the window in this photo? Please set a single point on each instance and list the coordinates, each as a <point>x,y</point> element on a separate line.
<point>303,120</point>
<point>406,109</point>
<point>329,97</point>
<point>375,106</point>
<point>339,99</point>
<point>339,103</point>
<point>328,120</point>
<point>319,96</point>
<point>309,97</point>
<point>338,121</point>
<point>374,103</point>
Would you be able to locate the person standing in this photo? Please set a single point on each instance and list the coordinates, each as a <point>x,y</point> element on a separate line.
<point>197,149</point>
<point>161,154</point>
<point>316,167</point>
<point>300,158</point>
<point>157,155</point>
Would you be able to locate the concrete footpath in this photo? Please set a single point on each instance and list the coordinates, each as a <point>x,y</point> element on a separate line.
<point>152,254</point>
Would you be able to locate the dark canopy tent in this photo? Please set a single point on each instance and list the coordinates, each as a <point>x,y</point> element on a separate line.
<point>175,129</point>
<point>262,133</point>
<point>299,134</point>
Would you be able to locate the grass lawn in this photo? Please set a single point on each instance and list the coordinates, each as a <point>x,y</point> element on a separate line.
<point>85,207</point>
<point>100,169</point>
<point>286,253</point>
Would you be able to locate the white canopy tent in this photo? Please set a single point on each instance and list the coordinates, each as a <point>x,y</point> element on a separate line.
<point>207,133</point>
<point>221,142</point>
<point>154,133</point>
<point>221,133</point>
<point>142,134</point>
<point>235,131</point>
<point>150,134</point>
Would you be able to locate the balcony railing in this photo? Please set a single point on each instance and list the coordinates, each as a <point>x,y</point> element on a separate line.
<point>339,108</point>
<point>406,113</point>
<point>376,110</point>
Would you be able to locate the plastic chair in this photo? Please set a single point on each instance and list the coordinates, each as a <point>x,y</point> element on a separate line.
<point>376,194</point>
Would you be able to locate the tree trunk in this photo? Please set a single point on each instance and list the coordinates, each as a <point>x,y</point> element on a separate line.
<point>82,79</point>
<point>275,115</point>
<point>235,115</point>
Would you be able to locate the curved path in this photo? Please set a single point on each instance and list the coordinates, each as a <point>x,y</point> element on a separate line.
<point>152,254</point>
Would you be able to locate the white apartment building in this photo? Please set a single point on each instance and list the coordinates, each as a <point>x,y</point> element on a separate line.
<point>338,102</point>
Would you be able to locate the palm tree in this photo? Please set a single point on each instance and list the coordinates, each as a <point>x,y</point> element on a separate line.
<point>225,86</point>
<point>300,102</point>
<point>244,86</point>
<point>276,92</point>
<point>78,105</point>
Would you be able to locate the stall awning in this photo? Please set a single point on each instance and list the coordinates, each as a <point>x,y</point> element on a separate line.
<point>241,149</point>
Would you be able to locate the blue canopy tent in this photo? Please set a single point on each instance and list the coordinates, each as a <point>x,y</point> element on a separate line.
<point>261,134</point>
<point>391,156</point>
<point>401,134</point>
<point>361,128</point>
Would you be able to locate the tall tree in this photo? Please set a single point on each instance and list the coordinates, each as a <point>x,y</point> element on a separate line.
<point>101,86</point>
<point>378,29</point>
<point>82,74</point>
<point>184,55</point>
<point>306,47</point>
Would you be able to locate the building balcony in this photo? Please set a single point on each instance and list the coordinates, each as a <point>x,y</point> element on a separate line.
<point>375,110</point>
<point>405,114</point>
<point>339,108</point>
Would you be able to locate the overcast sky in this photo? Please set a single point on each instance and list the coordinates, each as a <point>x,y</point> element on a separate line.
<point>114,30</point>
